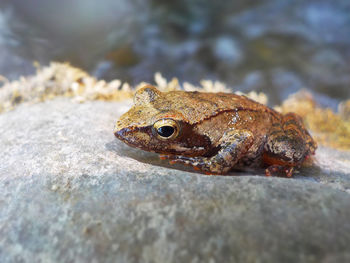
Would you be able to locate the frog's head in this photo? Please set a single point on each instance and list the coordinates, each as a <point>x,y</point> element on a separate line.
<point>154,124</point>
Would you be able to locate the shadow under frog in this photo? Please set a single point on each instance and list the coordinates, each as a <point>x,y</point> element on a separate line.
<point>153,159</point>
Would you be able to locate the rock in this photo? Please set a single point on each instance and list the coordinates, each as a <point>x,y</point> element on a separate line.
<point>70,192</point>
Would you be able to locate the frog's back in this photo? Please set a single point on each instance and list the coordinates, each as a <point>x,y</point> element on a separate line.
<point>198,106</point>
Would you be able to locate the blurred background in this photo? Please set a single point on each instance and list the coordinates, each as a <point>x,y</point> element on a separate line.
<point>274,46</point>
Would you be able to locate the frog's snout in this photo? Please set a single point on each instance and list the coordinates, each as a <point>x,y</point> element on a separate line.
<point>123,135</point>
<point>132,137</point>
<point>121,132</point>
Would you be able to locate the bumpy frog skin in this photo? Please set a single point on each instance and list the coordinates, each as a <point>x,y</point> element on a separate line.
<point>215,132</point>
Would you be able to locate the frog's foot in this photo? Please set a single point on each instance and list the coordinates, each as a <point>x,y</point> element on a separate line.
<point>196,162</point>
<point>234,144</point>
<point>173,159</point>
<point>279,171</point>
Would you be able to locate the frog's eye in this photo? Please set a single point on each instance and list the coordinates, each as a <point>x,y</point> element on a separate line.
<point>166,129</point>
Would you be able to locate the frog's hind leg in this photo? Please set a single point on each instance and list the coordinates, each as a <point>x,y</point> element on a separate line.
<point>234,144</point>
<point>288,145</point>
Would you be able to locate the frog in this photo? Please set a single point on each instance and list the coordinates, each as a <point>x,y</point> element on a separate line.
<point>215,132</point>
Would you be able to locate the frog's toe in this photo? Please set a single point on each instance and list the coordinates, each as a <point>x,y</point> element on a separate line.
<point>173,159</point>
<point>171,162</point>
<point>163,157</point>
<point>279,171</point>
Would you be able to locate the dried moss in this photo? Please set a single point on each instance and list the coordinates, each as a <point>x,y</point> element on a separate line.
<point>60,79</point>
<point>344,110</point>
<point>328,128</point>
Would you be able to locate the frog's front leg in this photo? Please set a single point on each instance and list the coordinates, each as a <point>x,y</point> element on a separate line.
<point>234,145</point>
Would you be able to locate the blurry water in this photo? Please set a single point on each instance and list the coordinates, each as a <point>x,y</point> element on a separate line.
<point>275,46</point>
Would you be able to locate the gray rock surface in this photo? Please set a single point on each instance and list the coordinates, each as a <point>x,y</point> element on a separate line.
<point>70,192</point>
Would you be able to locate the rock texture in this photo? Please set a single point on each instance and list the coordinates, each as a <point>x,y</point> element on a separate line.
<point>70,192</point>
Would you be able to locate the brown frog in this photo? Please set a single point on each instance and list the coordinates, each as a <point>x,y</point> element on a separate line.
<point>215,132</point>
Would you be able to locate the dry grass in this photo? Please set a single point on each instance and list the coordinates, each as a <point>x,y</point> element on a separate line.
<point>329,128</point>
